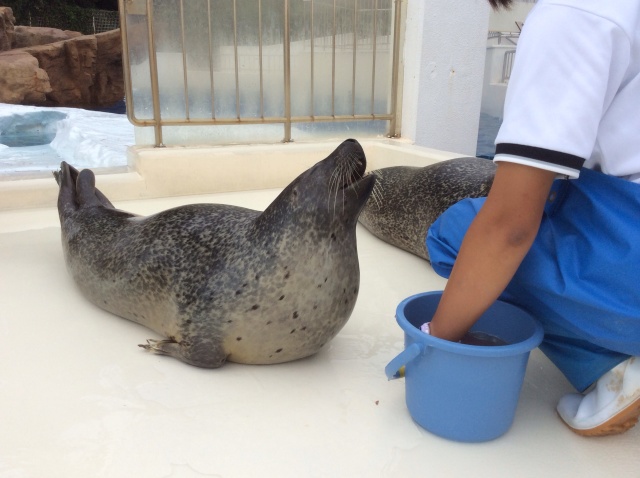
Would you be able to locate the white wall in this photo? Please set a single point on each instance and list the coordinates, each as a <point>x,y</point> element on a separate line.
<point>444,60</point>
<point>494,90</point>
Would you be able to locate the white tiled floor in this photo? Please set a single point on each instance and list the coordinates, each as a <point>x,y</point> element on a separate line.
<point>78,398</point>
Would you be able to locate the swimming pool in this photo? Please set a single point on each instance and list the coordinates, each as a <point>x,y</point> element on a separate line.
<point>33,140</point>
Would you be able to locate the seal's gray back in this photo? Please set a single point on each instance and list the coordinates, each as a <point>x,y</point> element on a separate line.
<point>412,198</point>
<point>161,263</point>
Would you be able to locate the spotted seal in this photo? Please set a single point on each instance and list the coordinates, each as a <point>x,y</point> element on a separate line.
<point>221,282</point>
<point>412,198</point>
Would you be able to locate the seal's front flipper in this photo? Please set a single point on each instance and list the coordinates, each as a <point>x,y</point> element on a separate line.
<point>198,354</point>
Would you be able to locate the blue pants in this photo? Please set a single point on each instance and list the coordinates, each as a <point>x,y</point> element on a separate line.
<point>581,278</point>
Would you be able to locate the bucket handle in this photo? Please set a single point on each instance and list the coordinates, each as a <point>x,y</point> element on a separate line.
<point>403,358</point>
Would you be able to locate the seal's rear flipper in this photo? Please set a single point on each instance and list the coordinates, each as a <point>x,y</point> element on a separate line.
<point>86,189</point>
<point>77,189</point>
<point>66,179</point>
<point>87,194</point>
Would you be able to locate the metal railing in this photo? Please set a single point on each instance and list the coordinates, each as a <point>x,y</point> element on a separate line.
<point>506,37</point>
<point>386,36</point>
<point>507,65</point>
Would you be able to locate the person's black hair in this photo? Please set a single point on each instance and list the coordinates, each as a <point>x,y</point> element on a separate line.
<point>497,4</point>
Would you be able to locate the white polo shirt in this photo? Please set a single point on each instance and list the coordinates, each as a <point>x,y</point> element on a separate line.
<point>574,95</point>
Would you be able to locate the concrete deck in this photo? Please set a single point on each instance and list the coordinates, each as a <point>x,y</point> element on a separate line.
<point>80,399</point>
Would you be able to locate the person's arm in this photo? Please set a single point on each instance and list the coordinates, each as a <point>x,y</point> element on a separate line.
<point>493,247</point>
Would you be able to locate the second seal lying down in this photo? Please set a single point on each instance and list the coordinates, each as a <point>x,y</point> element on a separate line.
<point>412,198</point>
<point>222,282</point>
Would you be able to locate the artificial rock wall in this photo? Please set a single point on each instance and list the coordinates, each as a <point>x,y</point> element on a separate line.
<point>50,67</point>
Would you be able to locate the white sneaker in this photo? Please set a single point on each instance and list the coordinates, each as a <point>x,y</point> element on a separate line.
<point>611,407</point>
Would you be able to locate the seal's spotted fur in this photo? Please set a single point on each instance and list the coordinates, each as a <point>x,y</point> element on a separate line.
<point>222,282</point>
<point>412,198</point>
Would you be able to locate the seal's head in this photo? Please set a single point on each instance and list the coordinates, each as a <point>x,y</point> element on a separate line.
<point>331,194</point>
<point>410,198</point>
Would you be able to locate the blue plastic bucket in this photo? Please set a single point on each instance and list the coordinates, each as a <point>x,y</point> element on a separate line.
<point>464,392</point>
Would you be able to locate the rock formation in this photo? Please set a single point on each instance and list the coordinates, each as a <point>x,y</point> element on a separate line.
<point>34,36</point>
<point>7,21</point>
<point>50,67</point>
<point>22,82</point>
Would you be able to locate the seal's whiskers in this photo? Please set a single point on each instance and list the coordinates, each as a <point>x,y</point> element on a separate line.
<point>377,192</point>
<point>334,182</point>
<point>347,171</point>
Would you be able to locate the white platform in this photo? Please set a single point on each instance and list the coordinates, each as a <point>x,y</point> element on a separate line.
<point>80,399</point>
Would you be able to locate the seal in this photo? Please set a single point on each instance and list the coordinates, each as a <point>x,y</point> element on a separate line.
<point>221,282</point>
<point>409,199</point>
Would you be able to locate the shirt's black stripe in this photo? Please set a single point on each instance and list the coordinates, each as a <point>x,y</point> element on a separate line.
<point>541,154</point>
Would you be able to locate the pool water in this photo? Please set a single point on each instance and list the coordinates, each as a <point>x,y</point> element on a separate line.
<point>487,132</point>
<point>29,158</point>
<point>34,137</point>
<point>29,128</point>
<point>34,140</point>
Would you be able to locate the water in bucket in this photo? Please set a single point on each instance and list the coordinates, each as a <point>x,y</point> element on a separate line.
<point>482,339</point>
<point>461,391</point>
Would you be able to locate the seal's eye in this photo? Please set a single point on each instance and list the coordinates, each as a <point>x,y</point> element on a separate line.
<point>295,192</point>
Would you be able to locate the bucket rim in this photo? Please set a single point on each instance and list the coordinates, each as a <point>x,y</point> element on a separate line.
<point>473,350</point>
